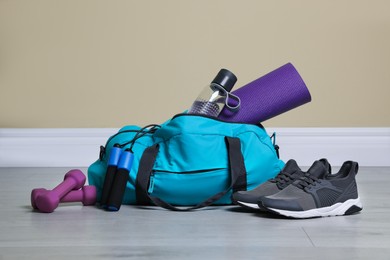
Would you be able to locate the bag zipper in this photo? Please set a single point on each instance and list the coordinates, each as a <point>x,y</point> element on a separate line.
<point>189,172</point>
<point>216,119</point>
<point>103,148</point>
<point>152,175</point>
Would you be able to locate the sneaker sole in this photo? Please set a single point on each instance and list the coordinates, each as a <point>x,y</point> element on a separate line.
<point>248,205</point>
<point>346,208</point>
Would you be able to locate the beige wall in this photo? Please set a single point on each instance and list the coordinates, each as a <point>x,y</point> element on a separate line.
<point>92,63</point>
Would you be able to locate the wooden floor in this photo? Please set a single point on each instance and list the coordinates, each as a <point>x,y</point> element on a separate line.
<point>214,233</point>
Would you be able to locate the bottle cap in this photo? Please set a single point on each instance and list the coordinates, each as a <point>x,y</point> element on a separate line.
<point>226,79</point>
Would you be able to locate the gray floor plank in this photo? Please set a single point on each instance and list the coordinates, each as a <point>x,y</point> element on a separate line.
<point>216,233</point>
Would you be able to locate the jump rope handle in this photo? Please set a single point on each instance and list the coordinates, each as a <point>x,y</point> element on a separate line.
<point>113,161</point>
<point>120,180</point>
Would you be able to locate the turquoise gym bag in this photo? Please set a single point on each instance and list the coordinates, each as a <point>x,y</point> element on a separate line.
<point>191,160</point>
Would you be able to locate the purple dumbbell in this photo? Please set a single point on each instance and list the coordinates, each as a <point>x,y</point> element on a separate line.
<point>87,196</point>
<point>48,201</point>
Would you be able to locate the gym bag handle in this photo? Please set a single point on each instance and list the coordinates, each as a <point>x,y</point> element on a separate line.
<point>236,168</point>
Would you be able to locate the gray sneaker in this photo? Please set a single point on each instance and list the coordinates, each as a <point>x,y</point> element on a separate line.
<point>318,194</point>
<point>290,173</point>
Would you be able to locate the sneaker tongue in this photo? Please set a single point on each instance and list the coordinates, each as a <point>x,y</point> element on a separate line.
<point>291,166</point>
<point>317,169</point>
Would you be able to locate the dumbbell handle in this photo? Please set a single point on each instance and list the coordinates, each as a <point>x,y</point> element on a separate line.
<point>87,195</point>
<point>63,188</point>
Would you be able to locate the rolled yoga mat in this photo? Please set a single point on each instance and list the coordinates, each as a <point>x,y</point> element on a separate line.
<point>273,94</point>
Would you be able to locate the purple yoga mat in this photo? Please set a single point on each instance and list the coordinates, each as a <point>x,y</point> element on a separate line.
<point>273,94</point>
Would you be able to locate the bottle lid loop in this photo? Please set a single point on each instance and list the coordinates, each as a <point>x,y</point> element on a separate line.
<point>229,96</point>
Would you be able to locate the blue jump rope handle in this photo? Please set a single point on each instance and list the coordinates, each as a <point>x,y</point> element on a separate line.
<point>113,161</point>
<point>120,180</point>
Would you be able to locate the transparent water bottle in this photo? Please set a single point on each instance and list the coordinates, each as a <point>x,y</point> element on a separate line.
<point>215,96</point>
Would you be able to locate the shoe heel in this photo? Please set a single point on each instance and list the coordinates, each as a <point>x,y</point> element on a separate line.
<point>353,210</point>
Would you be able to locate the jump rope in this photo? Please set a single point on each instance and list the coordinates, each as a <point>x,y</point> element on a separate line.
<point>118,168</point>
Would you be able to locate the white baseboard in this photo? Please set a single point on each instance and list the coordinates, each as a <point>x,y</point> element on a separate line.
<point>51,147</point>
<point>367,146</point>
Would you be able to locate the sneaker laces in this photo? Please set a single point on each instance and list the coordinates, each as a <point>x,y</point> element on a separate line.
<point>283,178</point>
<point>306,181</point>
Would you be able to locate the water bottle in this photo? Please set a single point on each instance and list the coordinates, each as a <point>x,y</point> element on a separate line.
<point>215,96</point>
